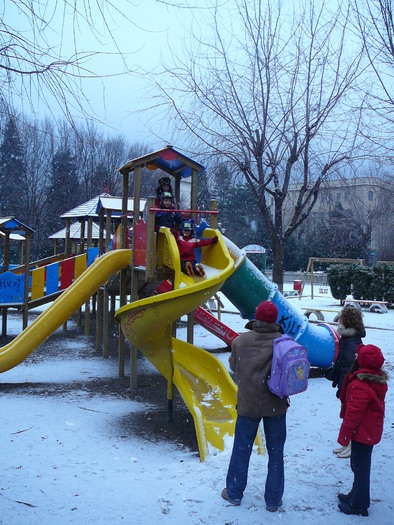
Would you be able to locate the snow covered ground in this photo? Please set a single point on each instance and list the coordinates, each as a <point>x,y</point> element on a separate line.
<point>63,460</point>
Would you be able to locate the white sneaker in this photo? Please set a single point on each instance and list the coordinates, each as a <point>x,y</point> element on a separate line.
<point>338,450</point>
<point>346,453</point>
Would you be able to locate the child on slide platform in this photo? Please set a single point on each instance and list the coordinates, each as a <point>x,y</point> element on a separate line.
<point>187,242</point>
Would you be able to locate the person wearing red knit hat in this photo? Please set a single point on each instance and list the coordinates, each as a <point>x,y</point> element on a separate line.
<point>362,410</point>
<point>251,359</point>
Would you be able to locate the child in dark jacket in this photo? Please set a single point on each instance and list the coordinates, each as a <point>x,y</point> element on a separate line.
<point>186,244</point>
<point>362,410</point>
<point>351,330</point>
<point>169,219</point>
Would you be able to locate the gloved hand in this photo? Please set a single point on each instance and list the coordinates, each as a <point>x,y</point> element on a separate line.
<point>214,239</point>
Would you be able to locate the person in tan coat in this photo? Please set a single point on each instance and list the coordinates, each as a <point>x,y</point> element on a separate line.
<point>251,359</point>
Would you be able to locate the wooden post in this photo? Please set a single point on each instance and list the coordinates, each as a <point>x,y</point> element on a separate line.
<point>108,224</point>
<point>101,234</point>
<point>123,273</point>
<point>190,328</point>
<point>113,308</point>
<point>193,194</point>
<point>6,261</point>
<point>27,264</point>
<point>99,316</point>
<point>177,189</point>
<point>213,219</point>
<point>82,237</point>
<point>105,323</point>
<point>87,318</point>
<point>5,269</point>
<point>306,277</point>
<point>87,304</point>
<point>90,233</point>
<point>67,241</point>
<point>4,322</point>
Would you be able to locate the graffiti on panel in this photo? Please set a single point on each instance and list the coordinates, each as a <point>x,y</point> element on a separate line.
<point>12,288</point>
<point>132,316</point>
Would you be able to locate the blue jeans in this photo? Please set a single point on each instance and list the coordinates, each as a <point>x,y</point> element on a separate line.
<point>245,433</point>
<point>360,463</point>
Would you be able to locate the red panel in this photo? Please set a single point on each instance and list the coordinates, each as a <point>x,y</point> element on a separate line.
<point>66,273</point>
<point>140,243</point>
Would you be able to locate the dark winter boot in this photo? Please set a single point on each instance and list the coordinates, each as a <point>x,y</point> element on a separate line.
<point>347,508</point>
<point>344,498</point>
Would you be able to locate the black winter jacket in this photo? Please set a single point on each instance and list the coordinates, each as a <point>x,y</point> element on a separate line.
<point>348,343</point>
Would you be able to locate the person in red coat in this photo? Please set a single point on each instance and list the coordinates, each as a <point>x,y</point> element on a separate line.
<point>362,410</point>
<point>186,244</point>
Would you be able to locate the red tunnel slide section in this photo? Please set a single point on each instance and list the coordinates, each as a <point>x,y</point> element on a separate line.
<point>205,319</point>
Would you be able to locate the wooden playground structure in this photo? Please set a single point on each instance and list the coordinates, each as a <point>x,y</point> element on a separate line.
<point>103,223</point>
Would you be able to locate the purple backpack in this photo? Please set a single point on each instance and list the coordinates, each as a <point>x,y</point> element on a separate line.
<point>290,368</point>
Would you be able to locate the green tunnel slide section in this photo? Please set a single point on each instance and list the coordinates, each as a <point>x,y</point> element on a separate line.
<point>247,287</point>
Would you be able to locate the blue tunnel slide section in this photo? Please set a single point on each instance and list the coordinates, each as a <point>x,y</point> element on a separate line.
<point>247,287</point>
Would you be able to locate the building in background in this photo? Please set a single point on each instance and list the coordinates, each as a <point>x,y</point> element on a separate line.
<point>362,208</point>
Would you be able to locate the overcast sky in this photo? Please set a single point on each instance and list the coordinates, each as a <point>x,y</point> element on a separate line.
<point>143,39</point>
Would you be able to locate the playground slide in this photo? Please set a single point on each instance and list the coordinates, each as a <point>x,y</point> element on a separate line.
<point>201,379</point>
<point>61,309</point>
<point>247,287</point>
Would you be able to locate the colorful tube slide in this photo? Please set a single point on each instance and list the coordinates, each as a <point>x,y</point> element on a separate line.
<point>247,287</point>
<point>60,310</point>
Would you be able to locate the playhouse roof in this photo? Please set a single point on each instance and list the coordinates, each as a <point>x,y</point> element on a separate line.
<point>167,159</point>
<point>92,207</point>
<point>114,204</point>
<point>10,224</point>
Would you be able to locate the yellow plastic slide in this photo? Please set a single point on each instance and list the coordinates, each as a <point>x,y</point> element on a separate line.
<point>202,380</point>
<point>64,306</point>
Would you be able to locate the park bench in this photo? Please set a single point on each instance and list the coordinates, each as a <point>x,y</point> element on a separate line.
<point>291,293</point>
<point>319,313</point>
<point>379,307</point>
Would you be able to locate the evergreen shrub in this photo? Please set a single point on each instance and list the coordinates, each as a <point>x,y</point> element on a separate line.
<point>374,283</point>
<point>339,282</point>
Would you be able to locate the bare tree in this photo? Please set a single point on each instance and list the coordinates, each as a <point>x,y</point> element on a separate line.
<point>271,92</point>
<point>33,66</point>
<point>375,20</point>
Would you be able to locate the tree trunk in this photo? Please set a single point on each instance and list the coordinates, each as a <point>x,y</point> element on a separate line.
<point>278,248</point>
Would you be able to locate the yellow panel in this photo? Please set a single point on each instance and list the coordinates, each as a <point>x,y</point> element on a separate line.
<point>37,283</point>
<point>80,265</point>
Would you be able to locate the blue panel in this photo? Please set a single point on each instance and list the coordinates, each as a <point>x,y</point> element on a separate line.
<point>12,288</point>
<point>52,278</point>
<point>92,254</point>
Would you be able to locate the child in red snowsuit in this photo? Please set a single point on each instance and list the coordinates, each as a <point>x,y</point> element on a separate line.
<point>362,397</point>
<point>186,244</point>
